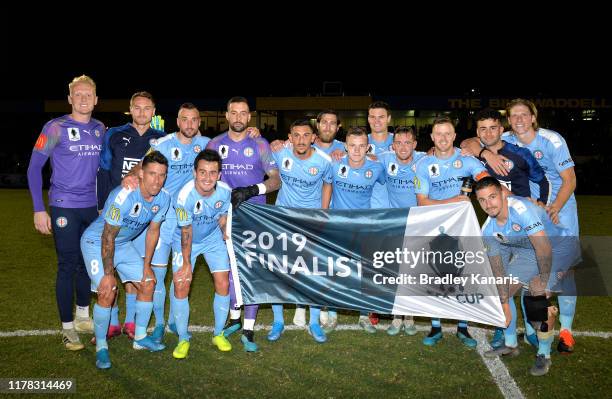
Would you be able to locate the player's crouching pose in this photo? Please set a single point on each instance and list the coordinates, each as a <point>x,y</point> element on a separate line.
<point>522,239</point>
<point>201,213</point>
<point>107,245</point>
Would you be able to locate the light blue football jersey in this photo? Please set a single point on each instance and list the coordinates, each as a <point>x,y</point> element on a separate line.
<point>380,197</point>
<point>201,212</point>
<point>353,186</point>
<point>524,219</point>
<point>128,209</point>
<point>180,159</point>
<point>302,180</point>
<point>336,145</point>
<point>550,150</point>
<point>399,179</point>
<point>441,179</point>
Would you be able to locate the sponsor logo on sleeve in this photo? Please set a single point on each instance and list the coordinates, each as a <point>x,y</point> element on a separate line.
<point>181,214</point>
<point>113,213</point>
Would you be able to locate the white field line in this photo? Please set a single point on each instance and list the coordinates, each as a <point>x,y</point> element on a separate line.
<point>496,367</point>
<point>340,327</point>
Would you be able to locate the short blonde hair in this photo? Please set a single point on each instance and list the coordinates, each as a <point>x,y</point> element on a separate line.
<point>81,79</point>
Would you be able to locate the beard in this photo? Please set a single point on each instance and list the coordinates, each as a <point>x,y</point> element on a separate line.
<point>238,127</point>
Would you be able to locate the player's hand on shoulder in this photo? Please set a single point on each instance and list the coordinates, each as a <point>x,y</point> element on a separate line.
<point>337,155</point>
<point>130,182</point>
<point>278,145</point>
<point>253,132</point>
<point>497,162</point>
<point>42,222</point>
<point>466,152</point>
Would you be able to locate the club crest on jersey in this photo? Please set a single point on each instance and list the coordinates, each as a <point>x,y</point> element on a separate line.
<point>343,171</point>
<point>434,170</point>
<point>155,208</point>
<point>197,149</point>
<point>287,164</point>
<point>413,167</point>
<point>457,164</point>
<point>313,171</point>
<point>248,152</point>
<point>516,227</point>
<point>176,154</point>
<point>223,151</point>
<point>197,208</point>
<point>152,142</point>
<point>97,133</point>
<point>392,169</point>
<point>61,222</point>
<point>368,174</point>
<point>218,204</point>
<point>538,154</point>
<point>135,211</point>
<point>74,134</point>
<point>509,164</point>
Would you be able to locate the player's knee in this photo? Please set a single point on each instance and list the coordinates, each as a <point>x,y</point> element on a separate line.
<point>147,288</point>
<point>106,298</point>
<point>181,292</point>
<point>222,285</point>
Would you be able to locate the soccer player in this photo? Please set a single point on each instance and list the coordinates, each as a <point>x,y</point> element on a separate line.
<point>246,160</point>
<point>328,124</point>
<point>379,117</point>
<point>438,181</point>
<point>552,153</point>
<point>522,168</point>
<point>107,245</point>
<point>123,148</point>
<point>201,211</point>
<point>354,177</point>
<point>399,166</point>
<point>380,140</point>
<point>520,237</point>
<point>73,143</point>
<point>306,183</point>
<point>181,149</point>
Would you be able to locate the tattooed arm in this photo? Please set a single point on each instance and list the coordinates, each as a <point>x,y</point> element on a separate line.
<point>108,282</point>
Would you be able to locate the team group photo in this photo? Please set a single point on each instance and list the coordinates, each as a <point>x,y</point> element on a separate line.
<point>307,247</point>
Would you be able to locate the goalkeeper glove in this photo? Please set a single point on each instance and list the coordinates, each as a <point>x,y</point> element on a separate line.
<point>240,194</point>
<point>157,122</point>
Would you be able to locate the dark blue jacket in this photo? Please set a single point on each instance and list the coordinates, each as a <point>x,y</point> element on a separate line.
<point>523,168</point>
<point>123,148</point>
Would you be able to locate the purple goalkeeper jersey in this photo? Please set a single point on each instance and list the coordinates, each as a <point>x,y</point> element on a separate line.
<point>74,149</point>
<point>245,162</point>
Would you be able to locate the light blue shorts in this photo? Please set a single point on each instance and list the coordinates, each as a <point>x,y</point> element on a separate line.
<point>212,247</point>
<point>523,264</point>
<point>128,262</point>
<point>164,244</point>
